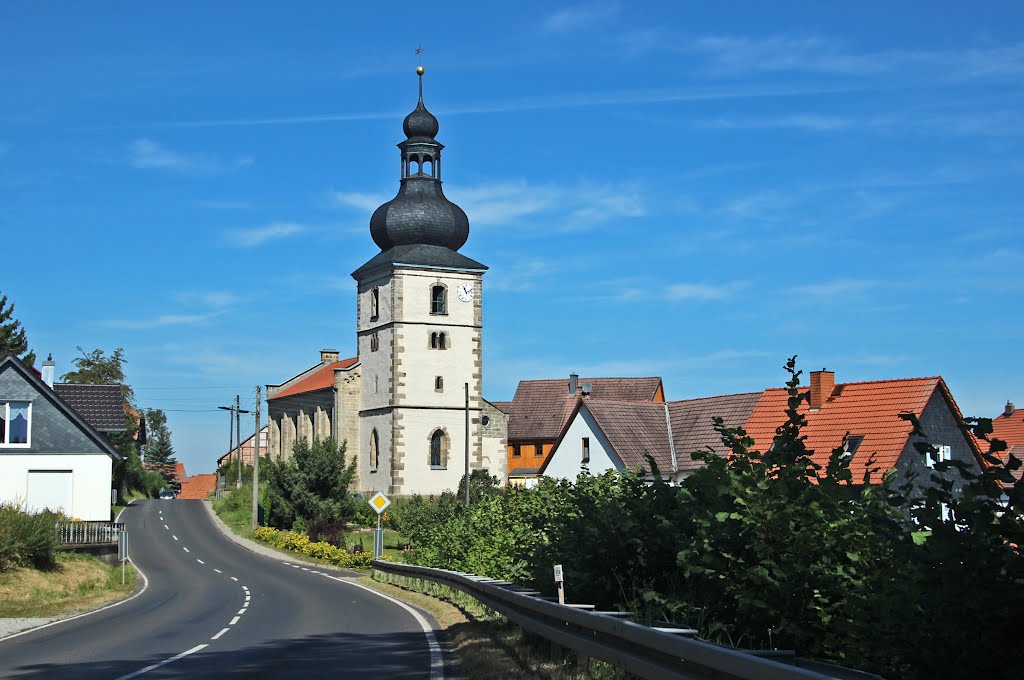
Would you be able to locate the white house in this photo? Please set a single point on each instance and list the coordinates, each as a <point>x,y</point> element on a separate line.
<point>604,434</point>
<point>50,457</point>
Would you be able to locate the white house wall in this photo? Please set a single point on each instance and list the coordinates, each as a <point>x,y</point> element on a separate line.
<point>567,458</point>
<point>91,474</point>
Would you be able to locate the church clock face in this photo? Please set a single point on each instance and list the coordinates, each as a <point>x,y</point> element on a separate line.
<point>466,292</point>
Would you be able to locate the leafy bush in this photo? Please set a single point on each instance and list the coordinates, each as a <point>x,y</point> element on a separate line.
<point>311,485</point>
<point>27,539</point>
<point>321,550</point>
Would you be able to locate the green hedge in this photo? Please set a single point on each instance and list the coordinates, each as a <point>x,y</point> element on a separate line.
<point>27,539</point>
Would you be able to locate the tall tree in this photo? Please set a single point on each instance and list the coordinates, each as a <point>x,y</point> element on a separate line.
<point>158,449</point>
<point>12,335</point>
<point>98,368</point>
<point>313,484</point>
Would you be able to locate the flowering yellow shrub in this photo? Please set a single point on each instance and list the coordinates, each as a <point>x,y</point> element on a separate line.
<point>321,550</point>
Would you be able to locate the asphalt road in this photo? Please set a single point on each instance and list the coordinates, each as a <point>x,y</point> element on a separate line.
<point>212,608</point>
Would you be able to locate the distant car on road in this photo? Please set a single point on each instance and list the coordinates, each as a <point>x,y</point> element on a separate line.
<point>167,495</point>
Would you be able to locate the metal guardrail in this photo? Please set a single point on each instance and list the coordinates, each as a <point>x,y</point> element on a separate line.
<point>88,533</point>
<point>632,647</point>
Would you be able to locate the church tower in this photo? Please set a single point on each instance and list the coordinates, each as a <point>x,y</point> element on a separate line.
<point>418,326</point>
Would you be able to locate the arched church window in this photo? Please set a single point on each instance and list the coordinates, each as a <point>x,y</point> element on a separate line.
<point>433,340</point>
<point>438,384</point>
<point>374,303</point>
<point>438,299</point>
<point>442,341</point>
<point>374,342</point>
<point>438,450</point>
<point>374,451</point>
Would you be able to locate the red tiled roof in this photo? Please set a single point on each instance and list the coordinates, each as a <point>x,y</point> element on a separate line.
<point>868,409</point>
<point>503,406</point>
<point>198,487</point>
<point>1009,428</point>
<point>541,408</point>
<point>320,379</point>
<point>179,472</point>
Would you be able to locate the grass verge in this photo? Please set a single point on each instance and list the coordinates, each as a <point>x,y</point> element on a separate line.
<point>487,644</point>
<point>76,583</point>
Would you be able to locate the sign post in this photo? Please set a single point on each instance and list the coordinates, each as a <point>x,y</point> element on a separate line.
<point>560,584</point>
<point>122,549</point>
<point>379,502</point>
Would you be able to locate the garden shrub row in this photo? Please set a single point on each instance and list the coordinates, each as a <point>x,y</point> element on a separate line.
<point>299,542</point>
<point>27,539</point>
<point>767,551</point>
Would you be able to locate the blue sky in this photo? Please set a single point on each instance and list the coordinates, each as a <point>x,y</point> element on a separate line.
<point>674,189</point>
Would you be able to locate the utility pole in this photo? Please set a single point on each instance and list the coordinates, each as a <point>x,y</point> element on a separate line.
<point>231,430</point>
<point>467,445</point>
<point>238,433</point>
<point>256,466</point>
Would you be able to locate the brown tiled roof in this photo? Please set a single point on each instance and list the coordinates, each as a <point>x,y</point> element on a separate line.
<point>503,406</point>
<point>320,379</point>
<point>198,487</point>
<point>693,426</point>
<point>868,409</point>
<point>634,429</point>
<point>102,406</point>
<point>541,408</point>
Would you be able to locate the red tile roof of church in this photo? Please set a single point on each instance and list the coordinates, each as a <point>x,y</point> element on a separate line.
<point>318,380</point>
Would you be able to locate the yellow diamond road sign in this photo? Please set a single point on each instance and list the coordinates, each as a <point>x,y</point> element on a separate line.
<point>379,502</point>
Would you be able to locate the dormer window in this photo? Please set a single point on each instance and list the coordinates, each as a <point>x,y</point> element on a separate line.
<point>374,304</point>
<point>853,443</point>
<point>438,299</point>
<point>15,423</point>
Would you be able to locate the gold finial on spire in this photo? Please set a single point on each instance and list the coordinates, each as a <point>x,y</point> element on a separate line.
<point>419,70</point>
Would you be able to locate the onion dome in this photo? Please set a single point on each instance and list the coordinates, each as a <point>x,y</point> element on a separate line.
<point>420,214</point>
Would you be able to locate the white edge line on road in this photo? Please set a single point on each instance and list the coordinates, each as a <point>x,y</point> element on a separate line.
<point>222,631</point>
<point>233,621</point>
<point>163,663</point>
<point>436,657</point>
<point>145,585</point>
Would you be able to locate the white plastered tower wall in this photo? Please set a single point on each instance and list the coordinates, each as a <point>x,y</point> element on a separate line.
<point>411,387</point>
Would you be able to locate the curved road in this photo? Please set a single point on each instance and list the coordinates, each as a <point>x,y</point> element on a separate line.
<point>214,609</point>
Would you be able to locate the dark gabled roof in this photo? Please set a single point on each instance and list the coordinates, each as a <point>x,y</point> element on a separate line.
<point>418,255</point>
<point>635,430</point>
<point>102,406</point>
<point>524,472</point>
<point>541,408</point>
<point>74,416</point>
<point>693,425</point>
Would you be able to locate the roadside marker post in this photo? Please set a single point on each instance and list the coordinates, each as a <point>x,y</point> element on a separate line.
<point>560,583</point>
<point>379,502</point>
<point>122,549</point>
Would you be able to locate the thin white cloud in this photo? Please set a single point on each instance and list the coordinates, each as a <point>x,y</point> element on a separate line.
<point>504,202</point>
<point>161,321</point>
<point>146,153</point>
<point>703,292</point>
<point>519,275</point>
<point>607,204</point>
<point>835,288</point>
<point>366,202</point>
<point>579,17</point>
<point>806,121</point>
<point>257,236</point>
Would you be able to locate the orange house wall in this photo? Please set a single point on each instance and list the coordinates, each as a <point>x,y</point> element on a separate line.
<point>527,454</point>
<point>659,396</point>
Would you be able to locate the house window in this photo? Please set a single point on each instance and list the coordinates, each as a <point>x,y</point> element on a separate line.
<point>15,423</point>
<point>374,304</point>
<point>438,384</point>
<point>438,299</point>
<point>374,451</point>
<point>374,342</point>
<point>941,454</point>
<point>586,449</point>
<point>438,450</point>
<point>515,451</point>
<point>538,450</point>
<point>852,444</point>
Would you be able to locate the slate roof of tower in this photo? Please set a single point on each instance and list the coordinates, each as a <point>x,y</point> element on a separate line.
<point>321,379</point>
<point>541,408</point>
<point>419,255</point>
<point>102,406</point>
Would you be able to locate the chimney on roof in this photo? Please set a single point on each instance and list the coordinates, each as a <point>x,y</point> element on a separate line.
<point>48,370</point>
<point>574,381</point>
<point>822,384</point>
<point>1008,411</point>
<point>328,356</point>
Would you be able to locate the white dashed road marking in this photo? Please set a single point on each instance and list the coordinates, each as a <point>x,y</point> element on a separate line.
<point>234,578</point>
<point>200,561</point>
<point>185,549</point>
<point>234,621</point>
<point>218,571</point>
<point>241,611</point>
<point>174,537</point>
<point>163,663</point>
<point>166,527</point>
<point>222,631</point>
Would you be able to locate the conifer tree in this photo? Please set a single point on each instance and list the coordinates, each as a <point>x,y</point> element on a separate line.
<point>12,335</point>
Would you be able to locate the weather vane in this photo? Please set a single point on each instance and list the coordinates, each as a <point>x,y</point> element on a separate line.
<point>419,58</point>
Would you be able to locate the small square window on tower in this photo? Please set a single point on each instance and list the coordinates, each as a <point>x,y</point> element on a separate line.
<point>439,384</point>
